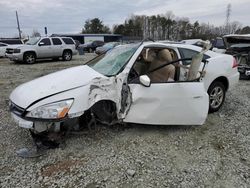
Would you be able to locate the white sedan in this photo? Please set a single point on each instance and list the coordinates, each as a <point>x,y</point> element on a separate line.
<point>110,89</point>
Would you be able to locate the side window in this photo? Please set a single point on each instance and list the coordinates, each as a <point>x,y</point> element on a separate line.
<point>45,42</point>
<point>56,41</point>
<point>154,63</point>
<point>187,53</point>
<point>68,41</point>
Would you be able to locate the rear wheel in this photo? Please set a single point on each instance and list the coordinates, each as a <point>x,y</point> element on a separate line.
<point>67,55</point>
<point>29,58</point>
<point>217,93</point>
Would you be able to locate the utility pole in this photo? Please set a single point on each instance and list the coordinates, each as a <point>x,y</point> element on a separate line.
<point>18,26</point>
<point>228,14</point>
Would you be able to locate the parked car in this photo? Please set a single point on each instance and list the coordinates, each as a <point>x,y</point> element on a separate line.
<point>3,47</point>
<point>110,89</point>
<point>106,47</point>
<point>91,46</point>
<point>218,45</point>
<point>43,47</point>
<point>239,47</point>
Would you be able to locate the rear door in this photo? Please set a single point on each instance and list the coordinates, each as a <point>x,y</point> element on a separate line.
<point>57,47</point>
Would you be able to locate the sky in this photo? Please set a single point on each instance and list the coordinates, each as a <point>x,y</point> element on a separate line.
<point>69,16</point>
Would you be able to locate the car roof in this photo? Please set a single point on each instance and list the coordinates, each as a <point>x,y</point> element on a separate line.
<point>178,45</point>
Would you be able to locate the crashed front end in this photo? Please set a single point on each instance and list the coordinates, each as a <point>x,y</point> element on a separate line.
<point>43,118</point>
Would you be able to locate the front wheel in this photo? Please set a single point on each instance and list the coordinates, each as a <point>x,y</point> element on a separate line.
<point>29,58</point>
<point>67,55</point>
<point>217,93</point>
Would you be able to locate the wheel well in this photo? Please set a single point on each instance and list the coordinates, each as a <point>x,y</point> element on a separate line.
<point>223,80</point>
<point>105,110</point>
<point>67,50</point>
<point>29,52</point>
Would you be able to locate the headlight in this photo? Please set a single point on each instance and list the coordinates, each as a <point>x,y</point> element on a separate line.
<point>55,110</point>
<point>17,50</point>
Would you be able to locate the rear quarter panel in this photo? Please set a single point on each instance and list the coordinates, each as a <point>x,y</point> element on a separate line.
<point>220,66</point>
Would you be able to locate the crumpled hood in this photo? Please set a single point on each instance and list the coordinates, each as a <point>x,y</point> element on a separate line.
<point>57,82</point>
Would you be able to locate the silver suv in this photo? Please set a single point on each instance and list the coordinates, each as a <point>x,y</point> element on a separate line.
<point>43,47</point>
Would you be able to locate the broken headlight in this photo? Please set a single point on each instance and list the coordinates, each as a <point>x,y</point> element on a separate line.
<point>55,110</point>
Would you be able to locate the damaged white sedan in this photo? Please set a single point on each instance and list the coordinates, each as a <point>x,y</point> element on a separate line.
<point>147,83</point>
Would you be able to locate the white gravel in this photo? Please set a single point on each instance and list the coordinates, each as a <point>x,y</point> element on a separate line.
<point>216,154</point>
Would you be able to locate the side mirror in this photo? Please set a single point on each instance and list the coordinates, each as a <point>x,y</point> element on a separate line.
<point>41,43</point>
<point>145,80</point>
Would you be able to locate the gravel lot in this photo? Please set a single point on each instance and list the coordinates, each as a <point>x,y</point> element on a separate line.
<point>216,154</point>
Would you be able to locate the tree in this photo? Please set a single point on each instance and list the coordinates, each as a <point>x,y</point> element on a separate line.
<point>35,33</point>
<point>244,30</point>
<point>95,26</point>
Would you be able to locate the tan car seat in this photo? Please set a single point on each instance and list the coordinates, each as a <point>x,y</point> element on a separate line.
<point>166,73</point>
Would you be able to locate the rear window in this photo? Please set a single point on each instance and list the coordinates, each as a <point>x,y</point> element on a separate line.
<point>187,53</point>
<point>56,41</point>
<point>68,41</point>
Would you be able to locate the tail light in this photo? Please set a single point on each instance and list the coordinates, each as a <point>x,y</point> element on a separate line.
<point>235,63</point>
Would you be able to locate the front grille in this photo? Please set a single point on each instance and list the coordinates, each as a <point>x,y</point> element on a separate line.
<point>16,109</point>
<point>9,50</point>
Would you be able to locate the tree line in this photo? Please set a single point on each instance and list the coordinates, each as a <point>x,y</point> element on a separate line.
<point>164,27</point>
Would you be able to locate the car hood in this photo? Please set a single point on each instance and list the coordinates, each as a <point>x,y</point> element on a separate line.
<point>54,83</point>
<point>15,46</point>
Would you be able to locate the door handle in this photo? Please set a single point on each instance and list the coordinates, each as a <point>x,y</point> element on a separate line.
<point>197,97</point>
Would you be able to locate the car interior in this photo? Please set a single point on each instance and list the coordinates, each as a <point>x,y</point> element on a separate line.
<point>151,59</point>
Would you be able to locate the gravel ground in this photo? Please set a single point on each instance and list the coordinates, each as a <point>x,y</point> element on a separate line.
<point>216,154</point>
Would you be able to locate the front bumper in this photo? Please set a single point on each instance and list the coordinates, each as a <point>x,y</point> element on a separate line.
<point>37,126</point>
<point>15,56</point>
<point>22,122</point>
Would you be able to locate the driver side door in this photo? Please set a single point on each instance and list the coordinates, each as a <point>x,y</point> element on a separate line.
<point>44,48</point>
<point>161,102</point>
<point>183,103</point>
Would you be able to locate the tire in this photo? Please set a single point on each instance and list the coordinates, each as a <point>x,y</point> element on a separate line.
<point>67,55</point>
<point>29,58</point>
<point>90,50</point>
<point>217,93</point>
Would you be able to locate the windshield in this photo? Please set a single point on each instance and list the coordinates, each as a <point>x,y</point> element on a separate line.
<point>33,41</point>
<point>112,62</point>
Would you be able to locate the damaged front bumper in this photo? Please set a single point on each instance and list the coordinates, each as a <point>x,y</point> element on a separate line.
<point>37,126</point>
<point>22,122</point>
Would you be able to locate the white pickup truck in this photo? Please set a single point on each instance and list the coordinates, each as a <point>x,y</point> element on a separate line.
<point>41,48</point>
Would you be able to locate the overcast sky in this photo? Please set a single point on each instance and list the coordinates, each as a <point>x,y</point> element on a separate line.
<point>68,16</point>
